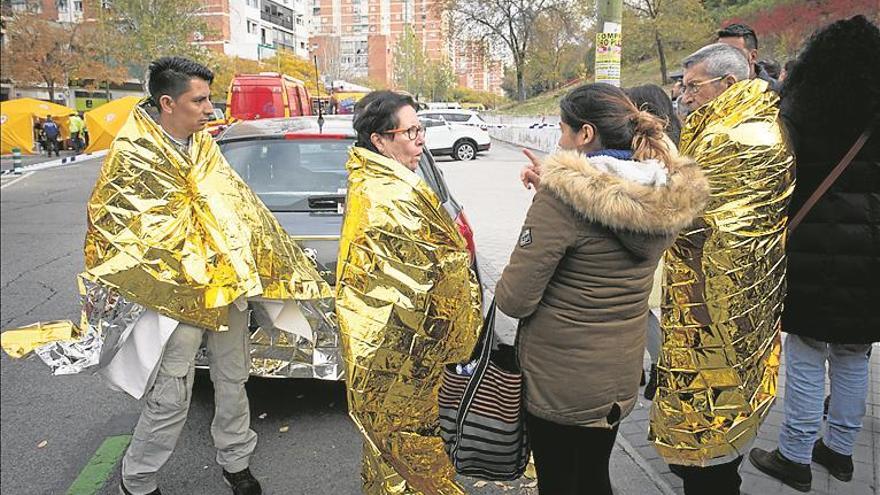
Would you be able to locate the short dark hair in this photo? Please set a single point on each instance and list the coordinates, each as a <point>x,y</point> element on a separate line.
<point>171,76</point>
<point>377,113</point>
<point>771,67</point>
<point>740,31</point>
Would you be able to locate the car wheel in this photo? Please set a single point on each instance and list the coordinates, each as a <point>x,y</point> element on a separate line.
<point>464,150</point>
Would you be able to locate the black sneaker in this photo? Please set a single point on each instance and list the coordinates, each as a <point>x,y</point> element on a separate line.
<point>242,482</point>
<point>840,466</point>
<point>124,491</point>
<point>793,474</point>
<point>651,387</point>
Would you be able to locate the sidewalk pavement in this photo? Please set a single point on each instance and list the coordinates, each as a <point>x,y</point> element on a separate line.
<point>866,456</point>
<point>26,160</point>
<point>642,459</point>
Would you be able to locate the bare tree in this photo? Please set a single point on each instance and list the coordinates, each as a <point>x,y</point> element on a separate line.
<point>511,22</point>
<point>329,56</point>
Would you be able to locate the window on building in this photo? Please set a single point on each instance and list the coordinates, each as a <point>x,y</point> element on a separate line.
<point>62,6</point>
<point>251,27</point>
<point>78,6</point>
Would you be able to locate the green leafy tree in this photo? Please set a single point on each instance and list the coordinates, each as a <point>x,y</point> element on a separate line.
<point>410,63</point>
<point>440,80</point>
<point>656,27</point>
<point>139,31</point>
<point>556,52</point>
<point>417,74</point>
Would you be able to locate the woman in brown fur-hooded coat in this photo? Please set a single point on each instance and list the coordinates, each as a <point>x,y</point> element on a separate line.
<point>607,207</point>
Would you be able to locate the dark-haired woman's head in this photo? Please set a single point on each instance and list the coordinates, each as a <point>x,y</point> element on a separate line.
<point>653,99</point>
<point>180,89</point>
<point>853,45</point>
<point>600,116</point>
<point>386,123</point>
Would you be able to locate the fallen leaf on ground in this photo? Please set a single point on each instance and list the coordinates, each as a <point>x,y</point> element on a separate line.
<point>42,444</point>
<point>479,484</point>
<point>262,416</point>
<point>284,429</point>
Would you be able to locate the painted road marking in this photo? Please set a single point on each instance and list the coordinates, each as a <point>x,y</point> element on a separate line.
<point>13,181</point>
<point>93,477</point>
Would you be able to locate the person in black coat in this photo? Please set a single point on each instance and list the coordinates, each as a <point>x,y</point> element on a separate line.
<point>831,308</point>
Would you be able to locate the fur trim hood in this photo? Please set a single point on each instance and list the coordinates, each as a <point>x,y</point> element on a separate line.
<point>625,195</point>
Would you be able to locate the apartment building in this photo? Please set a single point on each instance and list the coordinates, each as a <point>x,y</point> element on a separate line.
<point>356,38</point>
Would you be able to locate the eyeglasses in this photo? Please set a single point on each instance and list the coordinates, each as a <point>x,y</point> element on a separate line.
<point>693,87</point>
<point>412,133</point>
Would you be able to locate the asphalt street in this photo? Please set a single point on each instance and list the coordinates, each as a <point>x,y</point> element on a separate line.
<point>51,427</point>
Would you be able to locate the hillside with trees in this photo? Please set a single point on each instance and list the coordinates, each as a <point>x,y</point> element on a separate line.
<point>657,34</point>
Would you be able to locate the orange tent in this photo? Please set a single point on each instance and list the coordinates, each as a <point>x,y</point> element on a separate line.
<point>17,122</point>
<point>105,121</point>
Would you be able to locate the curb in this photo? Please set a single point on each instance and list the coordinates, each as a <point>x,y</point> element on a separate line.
<point>60,162</point>
<point>645,466</point>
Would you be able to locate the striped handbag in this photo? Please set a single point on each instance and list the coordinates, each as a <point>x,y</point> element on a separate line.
<point>481,415</point>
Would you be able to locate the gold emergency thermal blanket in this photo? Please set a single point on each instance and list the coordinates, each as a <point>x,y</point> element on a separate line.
<point>408,304</point>
<point>725,283</point>
<point>183,235</point>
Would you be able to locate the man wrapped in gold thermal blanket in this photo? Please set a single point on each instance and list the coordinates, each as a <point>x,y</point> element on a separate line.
<point>724,284</point>
<point>179,234</point>
<point>408,304</point>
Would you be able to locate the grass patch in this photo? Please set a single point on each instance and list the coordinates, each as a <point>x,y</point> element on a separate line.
<point>646,72</point>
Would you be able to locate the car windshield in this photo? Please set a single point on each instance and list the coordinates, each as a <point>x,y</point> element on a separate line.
<point>292,175</point>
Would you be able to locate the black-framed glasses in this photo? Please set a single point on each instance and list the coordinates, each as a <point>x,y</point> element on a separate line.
<point>411,133</point>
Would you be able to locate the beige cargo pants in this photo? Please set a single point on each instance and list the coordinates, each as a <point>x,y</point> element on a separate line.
<point>167,403</point>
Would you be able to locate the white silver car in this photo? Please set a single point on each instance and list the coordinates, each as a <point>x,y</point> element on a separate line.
<point>461,142</point>
<point>456,116</point>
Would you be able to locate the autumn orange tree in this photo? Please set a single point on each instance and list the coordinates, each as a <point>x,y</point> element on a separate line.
<point>226,67</point>
<point>287,62</point>
<point>40,51</point>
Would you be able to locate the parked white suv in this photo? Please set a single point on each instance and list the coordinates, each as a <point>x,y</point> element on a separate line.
<point>462,142</point>
<point>466,117</point>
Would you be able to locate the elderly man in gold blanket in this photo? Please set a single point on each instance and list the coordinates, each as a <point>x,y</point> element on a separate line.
<point>724,278</point>
<point>407,301</point>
